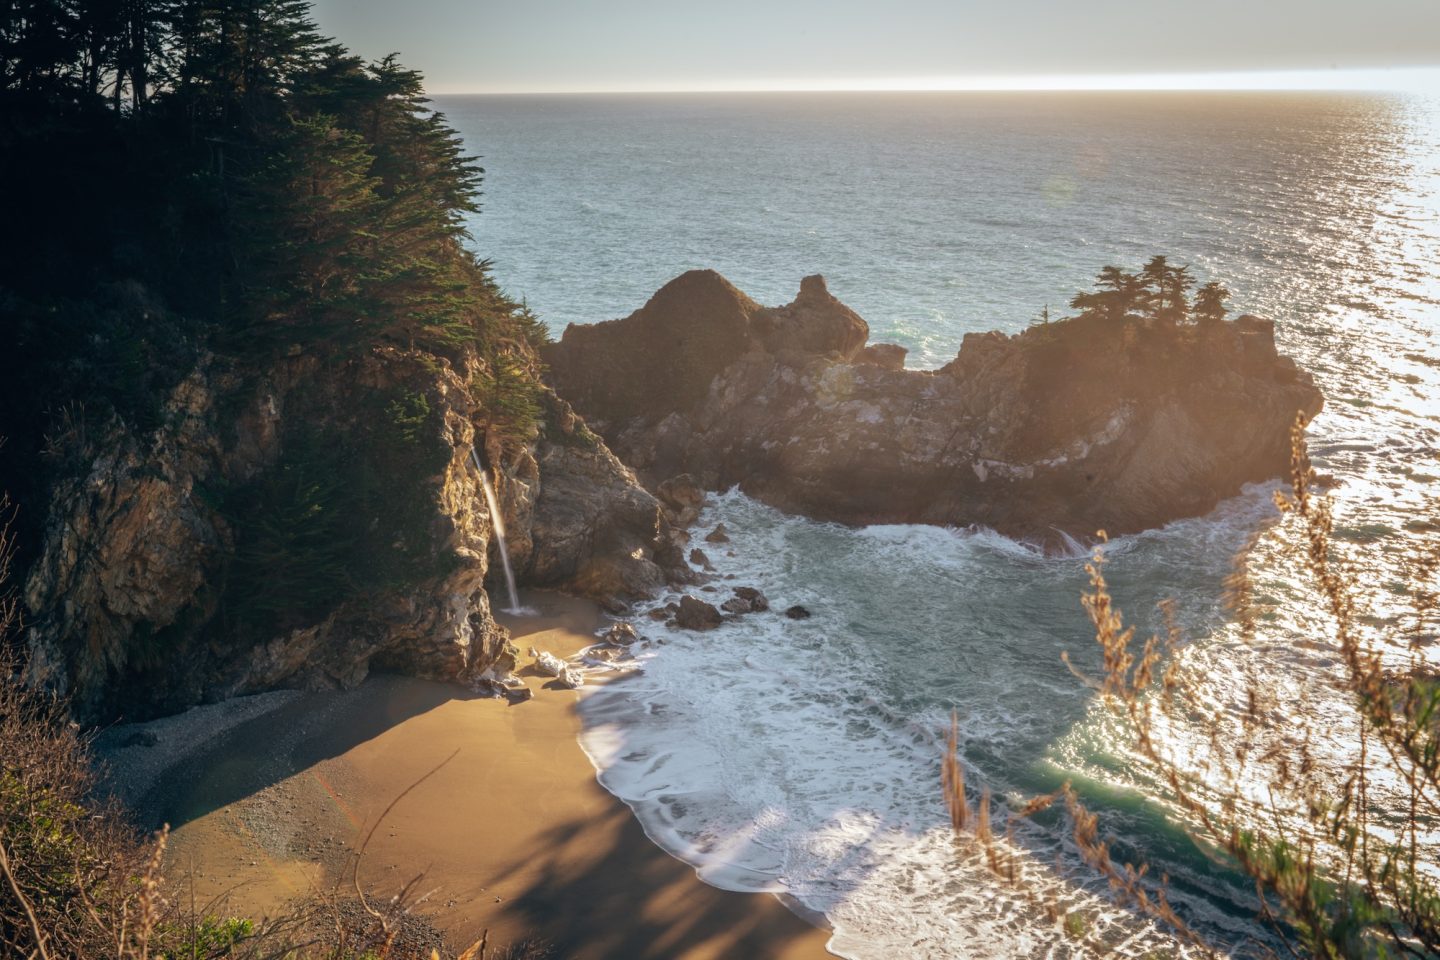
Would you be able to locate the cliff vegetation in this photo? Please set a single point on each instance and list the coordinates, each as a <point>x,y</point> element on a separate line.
<point>248,355</point>
<point>1140,409</point>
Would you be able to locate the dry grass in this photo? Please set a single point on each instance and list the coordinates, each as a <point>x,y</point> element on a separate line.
<point>78,882</point>
<point>1330,882</point>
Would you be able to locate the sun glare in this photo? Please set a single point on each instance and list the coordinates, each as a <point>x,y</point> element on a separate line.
<point>1425,80</point>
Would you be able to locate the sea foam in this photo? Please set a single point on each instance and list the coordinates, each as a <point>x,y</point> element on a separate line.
<point>802,757</point>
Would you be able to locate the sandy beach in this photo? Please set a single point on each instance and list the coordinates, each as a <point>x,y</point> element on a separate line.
<point>513,834</point>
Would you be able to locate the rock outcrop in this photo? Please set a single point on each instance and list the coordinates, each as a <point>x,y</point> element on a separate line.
<point>696,614</point>
<point>150,592</point>
<point>1071,426</point>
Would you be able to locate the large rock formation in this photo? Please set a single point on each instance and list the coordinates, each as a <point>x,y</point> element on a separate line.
<point>149,591</point>
<point>1071,426</point>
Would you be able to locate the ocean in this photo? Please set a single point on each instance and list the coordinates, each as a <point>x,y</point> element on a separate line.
<point>803,757</point>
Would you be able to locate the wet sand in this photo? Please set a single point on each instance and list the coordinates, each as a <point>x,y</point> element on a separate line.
<point>513,834</point>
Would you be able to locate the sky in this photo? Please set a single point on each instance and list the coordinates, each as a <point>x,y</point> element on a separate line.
<point>546,46</point>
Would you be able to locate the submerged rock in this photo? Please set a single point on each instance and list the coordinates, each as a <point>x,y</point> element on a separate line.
<point>1077,425</point>
<point>746,600</point>
<point>797,612</point>
<point>753,600</point>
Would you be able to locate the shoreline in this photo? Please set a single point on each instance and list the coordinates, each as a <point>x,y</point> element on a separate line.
<point>514,834</point>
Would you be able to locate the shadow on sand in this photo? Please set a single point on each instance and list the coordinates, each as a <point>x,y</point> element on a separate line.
<point>616,900</point>
<point>259,753</point>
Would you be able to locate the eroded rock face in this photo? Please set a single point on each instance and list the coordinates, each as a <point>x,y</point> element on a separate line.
<point>131,604</point>
<point>594,528</point>
<point>1076,426</point>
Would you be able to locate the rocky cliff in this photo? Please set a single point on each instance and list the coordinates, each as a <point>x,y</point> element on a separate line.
<point>1073,426</point>
<point>300,524</point>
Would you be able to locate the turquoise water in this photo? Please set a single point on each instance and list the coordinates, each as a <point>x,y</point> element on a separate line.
<point>803,757</point>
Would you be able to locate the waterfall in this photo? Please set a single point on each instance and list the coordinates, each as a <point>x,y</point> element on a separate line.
<point>499,525</point>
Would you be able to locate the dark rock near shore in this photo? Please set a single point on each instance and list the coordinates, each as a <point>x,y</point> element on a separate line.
<point>698,557</point>
<point>797,612</point>
<point>747,600</point>
<point>718,535</point>
<point>1077,425</point>
<point>696,614</point>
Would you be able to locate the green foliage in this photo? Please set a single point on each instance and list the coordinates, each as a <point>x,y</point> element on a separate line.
<point>214,175</point>
<point>1159,293</point>
<point>295,536</point>
<point>509,396</point>
<point>211,936</point>
<point>344,513</point>
<point>41,823</point>
<point>408,414</point>
<point>1210,303</point>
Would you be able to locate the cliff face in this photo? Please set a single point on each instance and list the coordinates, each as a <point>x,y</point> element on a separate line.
<point>1074,426</point>
<point>305,522</point>
<point>163,577</point>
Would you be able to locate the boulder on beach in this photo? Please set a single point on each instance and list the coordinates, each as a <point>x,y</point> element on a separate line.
<point>566,674</point>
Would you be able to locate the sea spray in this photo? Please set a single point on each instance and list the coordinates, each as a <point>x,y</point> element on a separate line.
<point>499,525</point>
<point>804,758</point>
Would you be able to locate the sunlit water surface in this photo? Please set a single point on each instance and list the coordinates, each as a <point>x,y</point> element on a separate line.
<point>803,756</point>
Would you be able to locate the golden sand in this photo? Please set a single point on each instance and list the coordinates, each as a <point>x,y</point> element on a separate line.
<point>513,834</point>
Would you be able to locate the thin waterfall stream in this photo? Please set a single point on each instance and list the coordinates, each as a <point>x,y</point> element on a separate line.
<point>499,524</point>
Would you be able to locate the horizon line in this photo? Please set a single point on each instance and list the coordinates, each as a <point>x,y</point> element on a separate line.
<point>1411,79</point>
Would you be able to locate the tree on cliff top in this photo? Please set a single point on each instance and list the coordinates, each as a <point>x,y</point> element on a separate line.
<point>1210,303</point>
<point>1117,296</point>
<point>1159,293</point>
<point>216,175</point>
<point>324,195</point>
